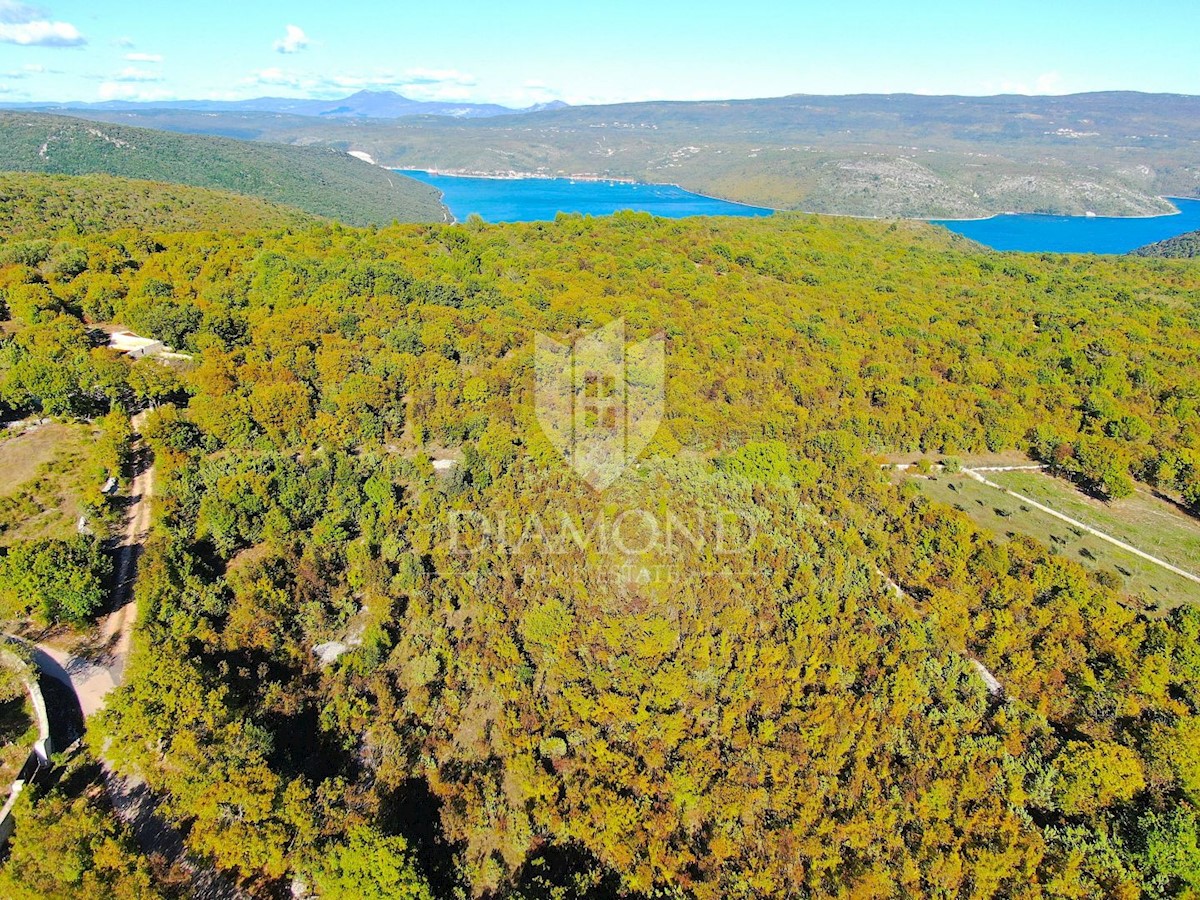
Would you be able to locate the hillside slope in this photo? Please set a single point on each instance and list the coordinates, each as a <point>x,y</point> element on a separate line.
<point>1185,246</point>
<point>749,667</point>
<point>63,205</point>
<point>874,155</point>
<point>317,180</point>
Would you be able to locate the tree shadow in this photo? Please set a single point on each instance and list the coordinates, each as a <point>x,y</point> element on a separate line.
<point>414,813</point>
<point>1188,511</point>
<point>567,870</point>
<point>302,747</point>
<point>62,705</point>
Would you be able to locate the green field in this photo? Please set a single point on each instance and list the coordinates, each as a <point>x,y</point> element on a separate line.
<point>44,476</point>
<point>1149,524</point>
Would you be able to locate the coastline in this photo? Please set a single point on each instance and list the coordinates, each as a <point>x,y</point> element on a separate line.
<point>526,176</point>
<point>592,179</point>
<point>1170,200</point>
<point>770,210</point>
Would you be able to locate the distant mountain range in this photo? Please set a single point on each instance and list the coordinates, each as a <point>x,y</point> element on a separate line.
<point>1114,153</point>
<point>363,105</point>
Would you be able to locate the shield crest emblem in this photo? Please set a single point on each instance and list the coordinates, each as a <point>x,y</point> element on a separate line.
<point>598,400</point>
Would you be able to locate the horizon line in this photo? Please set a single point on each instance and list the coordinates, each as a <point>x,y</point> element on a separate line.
<point>165,102</point>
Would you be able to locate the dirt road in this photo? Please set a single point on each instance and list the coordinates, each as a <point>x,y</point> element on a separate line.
<point>96,666</point>
<point>1075,523</point>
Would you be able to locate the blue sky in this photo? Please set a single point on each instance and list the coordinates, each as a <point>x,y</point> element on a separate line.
<point>519,53</point>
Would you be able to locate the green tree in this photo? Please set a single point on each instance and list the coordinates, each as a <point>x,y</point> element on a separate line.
<point>1091,776</point>
<point>57,580</point>
<point>1172,853</point>
<point>68,847</point>
<point>368,865</point>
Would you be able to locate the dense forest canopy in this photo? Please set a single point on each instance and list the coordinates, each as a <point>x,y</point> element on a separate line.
<point>795,713</point>
<point>1185,246</point>
<point>46,206</point>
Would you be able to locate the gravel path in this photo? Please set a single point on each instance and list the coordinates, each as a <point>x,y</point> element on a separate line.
<point>1075,523</point>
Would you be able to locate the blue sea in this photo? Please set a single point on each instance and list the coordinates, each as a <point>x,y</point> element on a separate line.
<point>1078,234</point>
<point>541,199</point>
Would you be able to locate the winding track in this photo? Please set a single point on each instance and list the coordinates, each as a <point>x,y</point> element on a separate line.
<point>976,474</point>
<point>94,673</point>
<point>92,676</point>
<point>1075,523</point>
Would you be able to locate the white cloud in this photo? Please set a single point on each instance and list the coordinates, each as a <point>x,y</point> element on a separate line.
<point>293,41</point>
<point>113,90</point>
<point>439,84</point>
<point>144,57</point>
<point>532,92</point>
<point>353,81</point>
<point>276,76</point>
<point>13,92</point>
<point>445,81</point>
<point>123,42</point>
<point>41,33</point>
<point>376,81</point>
<point>28,70</point>
<point>448,92</point>
<point>438,76</point>
<point>442,85</point>
<point>12,13</point>
<point>30,26</point>
<point>132,73</point>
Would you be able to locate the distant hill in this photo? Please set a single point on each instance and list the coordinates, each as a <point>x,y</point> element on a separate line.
<point>875,155</point>
<point>68,205</point>
<point>1185,246</point>
<point>318,180</point>
<point>362,105</point>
